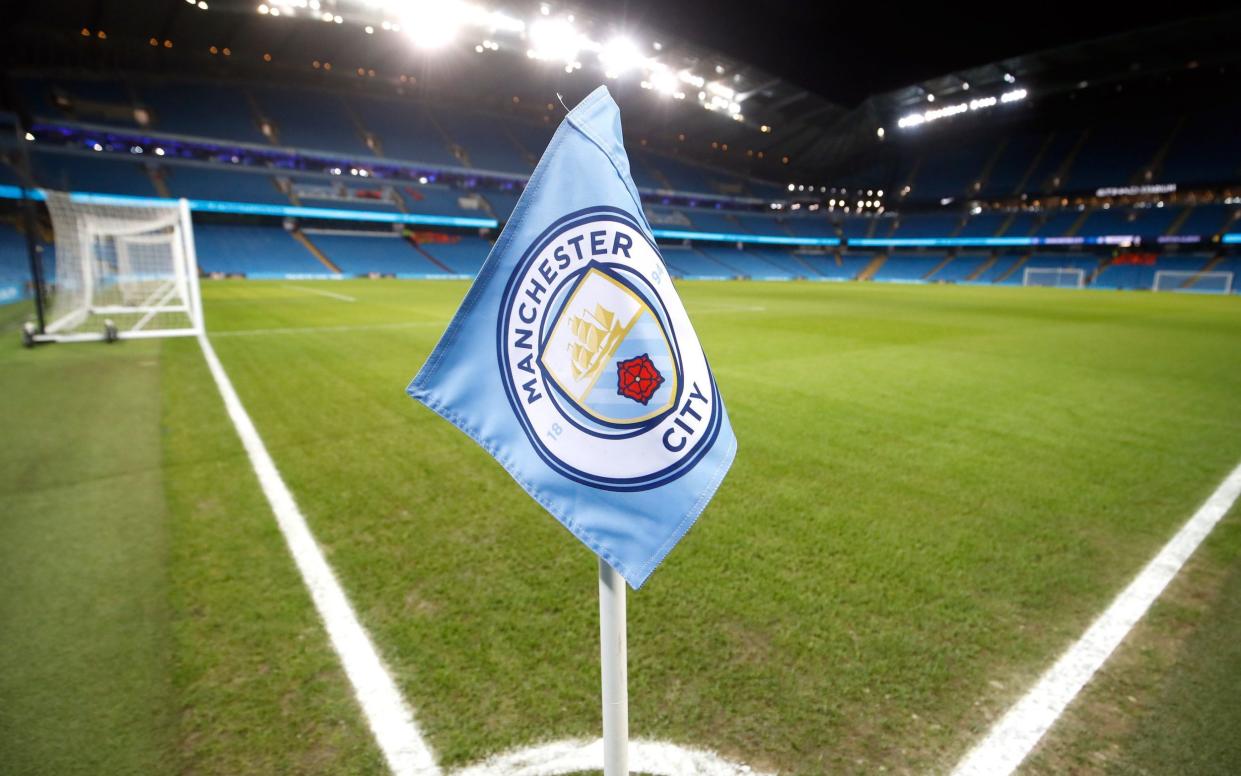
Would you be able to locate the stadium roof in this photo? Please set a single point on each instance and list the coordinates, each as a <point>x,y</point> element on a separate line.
<point>771,96</point>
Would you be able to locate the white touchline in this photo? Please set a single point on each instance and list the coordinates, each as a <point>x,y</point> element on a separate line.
<point>341,297</point>
<point>1016,734</point>
<point>390,719</point>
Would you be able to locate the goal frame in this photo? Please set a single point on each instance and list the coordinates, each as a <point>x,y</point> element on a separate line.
<point>184,283</point>
<point>1189,276</point>
<point>1077,272</point>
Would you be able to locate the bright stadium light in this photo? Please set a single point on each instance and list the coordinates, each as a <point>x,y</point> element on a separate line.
<point>664,81</point>
<point>432,24</point>
<point>619,56</point>
<point>555,40</point>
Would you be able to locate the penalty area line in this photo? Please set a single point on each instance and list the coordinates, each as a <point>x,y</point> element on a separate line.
<point>391,721</point>
<point>1015,735</point>
<point>331,294</point>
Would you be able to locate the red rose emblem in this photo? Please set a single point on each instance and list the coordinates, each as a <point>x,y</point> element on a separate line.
<point>638,379</point>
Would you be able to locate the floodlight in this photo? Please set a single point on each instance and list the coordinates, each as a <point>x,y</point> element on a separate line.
<point>620,55</point>
<point>433,25</point>
<point>554,40</point>
<point>663,81</point>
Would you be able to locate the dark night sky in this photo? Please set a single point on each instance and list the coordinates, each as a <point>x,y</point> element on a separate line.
<point>846,51</point>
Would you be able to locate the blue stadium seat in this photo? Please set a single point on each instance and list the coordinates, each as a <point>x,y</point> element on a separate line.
<point>983,225</point>
<point>689,263</point>
<point>1116,152</point>
<point>780,258</point>
<point>1058,223</point>
<point>202,109</point>
<point>1112,221</point>
<point>532,138</point>
<point>312,120</point>
<point>856,226</point>
<point>464,257</point>
<point>714,221</point>
<point>928,225</point>
<point>1205,150</point>
<point>1206,220</point>
<point>960,268</point>
<point>850,266</point>
<point>363,253</point>
<point>98,101</point>
<point>1054,156</point>
<point>1002,267</point>
<point>746,264</point>
<point>485,142</point>
<point>949,172</point>
<point>195,182</point>
<point>907,267</point>
<point>767,225</point>
<point>14,261</point>
<point>1022,225</point>
<point>434,200</point>
<point>405,130</point>
<point>1011,165</point>
<point>502,202</point>
<point>255,251</point>
<point>111,173</point>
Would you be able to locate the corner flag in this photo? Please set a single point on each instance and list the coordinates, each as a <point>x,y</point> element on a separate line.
<point>573,362</point>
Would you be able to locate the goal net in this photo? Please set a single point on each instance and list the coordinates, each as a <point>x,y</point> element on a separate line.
<point>126,267</point>
<point>1055,277</point>
<point>1195,282</point>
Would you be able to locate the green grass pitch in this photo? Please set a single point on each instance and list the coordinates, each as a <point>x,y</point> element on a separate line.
<point>936,490</point>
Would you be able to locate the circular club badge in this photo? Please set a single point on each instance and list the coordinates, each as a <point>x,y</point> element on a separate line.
<point>599,360</point>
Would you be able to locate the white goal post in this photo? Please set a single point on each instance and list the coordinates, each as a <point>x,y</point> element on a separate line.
<point>124,269</point>
<point>1193,282</point>
<point>1054,277</point>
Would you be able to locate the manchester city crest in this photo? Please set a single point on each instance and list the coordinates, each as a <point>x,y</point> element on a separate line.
<point>599,360</point>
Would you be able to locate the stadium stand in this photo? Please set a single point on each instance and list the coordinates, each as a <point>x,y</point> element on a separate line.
<point>687,262</point>
<point>91,172</point>
<point>253,251</point>
<point>363,253</point>
<point>1115,153</point>
<point>485,143</point>
<point>960,269</point>
<point>1009,168</point>
<point>908,267</point>
<point>502,202</point>
<point>313,120</point>
<point>1204,149</point>
<point>202,109</point>
<point>849,266</point>
<point>404,130</point>
<point>927,225</point>
<point>205,182</point>
<point>463,257</point>
<point>14,265</point>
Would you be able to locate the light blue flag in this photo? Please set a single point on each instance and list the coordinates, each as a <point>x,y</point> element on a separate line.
<point>573,362</point>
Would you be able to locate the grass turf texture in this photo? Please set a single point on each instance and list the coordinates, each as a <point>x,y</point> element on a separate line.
<point>1166,702</point>
<point>151,620</point>
<point>937,490</point>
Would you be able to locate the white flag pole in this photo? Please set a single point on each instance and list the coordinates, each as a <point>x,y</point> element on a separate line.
<point>613,663</point>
